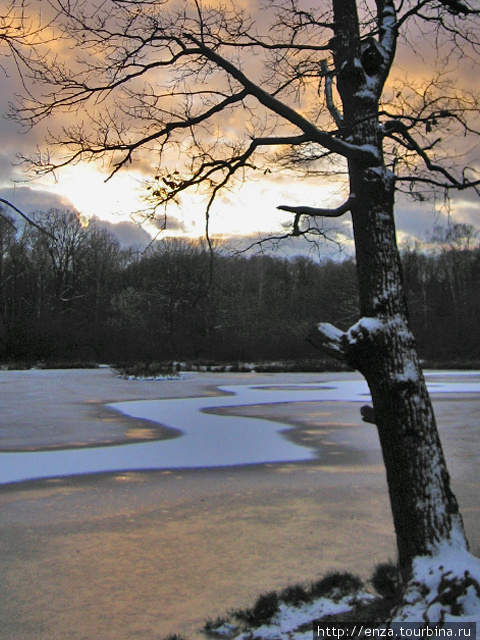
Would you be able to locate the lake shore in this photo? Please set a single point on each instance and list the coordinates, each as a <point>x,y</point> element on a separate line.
<point>142,555</point>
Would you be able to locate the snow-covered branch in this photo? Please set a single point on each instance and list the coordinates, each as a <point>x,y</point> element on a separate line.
<point>315,212</point>
<point>328,338</point>
<point>387,25</point>
<point>345,345</point>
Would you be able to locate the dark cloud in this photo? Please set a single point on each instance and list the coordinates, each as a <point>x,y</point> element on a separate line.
<point>168,223</point>
<point>419,220</point>
<point>29,200</point>
<point>128,233</point>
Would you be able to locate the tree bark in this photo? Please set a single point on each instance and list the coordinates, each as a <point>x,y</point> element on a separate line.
<point>425,511</point>
<point>381,346</point>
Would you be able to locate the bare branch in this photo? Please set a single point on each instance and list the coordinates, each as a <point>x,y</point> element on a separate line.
<point>399,127</point>
<point>25,217</point>
<point>334,112</point>
<point>459,186</point>
<point>320,212</point>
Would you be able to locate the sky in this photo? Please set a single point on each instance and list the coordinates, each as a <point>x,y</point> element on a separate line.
<point>248,211</point>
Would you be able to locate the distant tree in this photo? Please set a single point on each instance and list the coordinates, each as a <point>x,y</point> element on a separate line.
<point>455,236</point>
<point>152,77</point>
<point>61,239</point>
<point>441,276</point>
<point>8,280</point>
<point>128,324</point>
<point>99,268</point>
<point>56,281</point>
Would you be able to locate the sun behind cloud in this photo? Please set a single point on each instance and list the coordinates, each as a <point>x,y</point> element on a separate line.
<point>250,209</point>
<point>89,192</point>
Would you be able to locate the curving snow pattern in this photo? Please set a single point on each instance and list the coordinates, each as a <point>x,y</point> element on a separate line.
<point>206,440</point>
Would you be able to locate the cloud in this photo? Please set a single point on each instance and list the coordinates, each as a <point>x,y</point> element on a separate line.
<point>128,233</point>
<point>418,220</point>
<point>6,168</point>
<point>169,223</point>
<point>254,207</point>
<point>29,200</point>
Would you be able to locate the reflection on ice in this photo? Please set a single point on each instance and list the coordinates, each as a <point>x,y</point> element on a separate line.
<point>206,440</point>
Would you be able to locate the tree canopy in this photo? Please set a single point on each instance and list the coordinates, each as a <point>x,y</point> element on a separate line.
<point>200,95</point>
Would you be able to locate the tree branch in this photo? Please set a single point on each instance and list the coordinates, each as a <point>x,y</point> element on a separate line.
<point>456,7</point>
<point>129,147</point>
<point>319,212</point>
<point>25,217</point>
<point>329,338</point>
<point>328,140</point>
<point>460,186</point>
<point>388,30</point>
<point>399,127</point>
<point>334,112</point>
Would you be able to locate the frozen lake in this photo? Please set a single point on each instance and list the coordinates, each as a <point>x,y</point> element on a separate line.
<point>207,439</point>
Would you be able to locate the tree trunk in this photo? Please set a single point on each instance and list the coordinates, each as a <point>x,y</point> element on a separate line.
<point>425,511</point>
<point>381,346</point>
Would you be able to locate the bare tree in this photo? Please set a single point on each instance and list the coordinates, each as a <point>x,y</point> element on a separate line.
<point>306,88</point>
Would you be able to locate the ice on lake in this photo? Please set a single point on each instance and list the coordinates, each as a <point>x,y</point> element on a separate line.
<point>206,439</point>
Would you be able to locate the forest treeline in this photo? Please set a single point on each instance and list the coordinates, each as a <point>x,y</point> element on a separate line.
<point>70,293</point>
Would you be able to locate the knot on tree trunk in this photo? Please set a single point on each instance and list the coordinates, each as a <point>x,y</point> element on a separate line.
<point>368,414</point>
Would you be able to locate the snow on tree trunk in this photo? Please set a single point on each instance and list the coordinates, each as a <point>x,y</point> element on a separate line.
<point>381,346</point>
<point>442,580</point>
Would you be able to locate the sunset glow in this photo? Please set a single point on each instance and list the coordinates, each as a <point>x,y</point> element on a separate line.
<point>250,209</point>
<point>91,195</point>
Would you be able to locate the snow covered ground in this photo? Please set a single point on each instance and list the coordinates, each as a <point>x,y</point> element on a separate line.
<point>206,439</point>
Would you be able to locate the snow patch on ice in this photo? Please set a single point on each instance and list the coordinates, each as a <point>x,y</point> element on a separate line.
<point>207,440</point>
